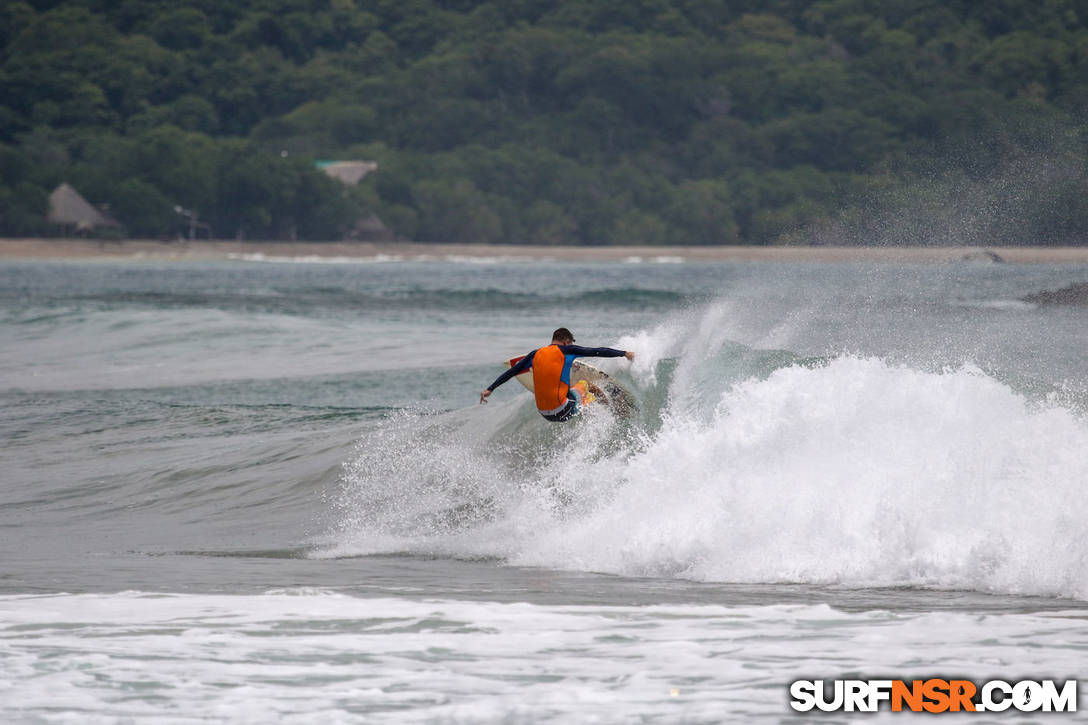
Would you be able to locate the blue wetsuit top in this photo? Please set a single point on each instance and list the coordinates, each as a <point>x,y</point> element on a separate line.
<point>569,353</point>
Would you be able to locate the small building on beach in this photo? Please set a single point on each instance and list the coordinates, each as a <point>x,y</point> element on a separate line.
<point>349,172</point>
<point>69,210</point>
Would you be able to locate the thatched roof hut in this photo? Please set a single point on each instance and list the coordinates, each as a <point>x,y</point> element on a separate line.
<point>68,208</point>
<point>349,172</point>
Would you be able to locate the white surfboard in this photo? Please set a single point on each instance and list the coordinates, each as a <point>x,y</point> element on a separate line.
<point>615,396</point>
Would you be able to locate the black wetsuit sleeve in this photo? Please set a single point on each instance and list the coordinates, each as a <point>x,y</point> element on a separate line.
<point>579,351</point>
<point>522,365</point>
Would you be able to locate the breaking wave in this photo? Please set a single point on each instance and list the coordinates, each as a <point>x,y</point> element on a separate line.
<point>744,465</point>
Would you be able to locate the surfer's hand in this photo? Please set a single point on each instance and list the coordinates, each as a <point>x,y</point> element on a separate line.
<point>483,396</point>
<point>629,355</point>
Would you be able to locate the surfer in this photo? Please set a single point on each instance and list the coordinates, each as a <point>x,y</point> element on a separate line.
<point>556,399</point>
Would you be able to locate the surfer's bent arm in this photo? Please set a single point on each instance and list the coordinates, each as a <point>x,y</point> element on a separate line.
<point>579,351</point>
<point>522,366</point>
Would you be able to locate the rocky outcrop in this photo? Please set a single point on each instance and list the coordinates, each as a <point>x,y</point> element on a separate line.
<point>983,255</point>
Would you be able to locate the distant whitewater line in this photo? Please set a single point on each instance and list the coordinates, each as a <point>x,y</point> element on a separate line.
<point>414,251</point>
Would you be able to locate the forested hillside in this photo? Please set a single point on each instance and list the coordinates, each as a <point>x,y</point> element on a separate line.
<point>550,121</point>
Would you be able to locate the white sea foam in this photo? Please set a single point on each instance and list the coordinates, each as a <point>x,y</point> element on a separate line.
<point>317,656</point>
<point>313,258</point>
<point>1011,305</point>
<point>386,258</point>
<point>656,259</point>
<point>854,471</point>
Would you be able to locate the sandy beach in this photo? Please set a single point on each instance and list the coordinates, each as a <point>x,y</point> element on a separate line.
<point>412,251</point>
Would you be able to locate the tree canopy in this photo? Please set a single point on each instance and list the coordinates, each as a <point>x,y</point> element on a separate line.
<point>555,121</point>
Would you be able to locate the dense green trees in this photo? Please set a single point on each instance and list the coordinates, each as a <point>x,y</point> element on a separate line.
<point>554,121</point>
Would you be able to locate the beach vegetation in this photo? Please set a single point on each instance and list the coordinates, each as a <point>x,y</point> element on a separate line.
<point>557,122</point>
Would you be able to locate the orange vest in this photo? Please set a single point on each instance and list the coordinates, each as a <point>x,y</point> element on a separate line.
<point>548,383</point>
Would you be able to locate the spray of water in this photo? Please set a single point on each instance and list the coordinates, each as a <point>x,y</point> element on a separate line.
<point>745,466</point>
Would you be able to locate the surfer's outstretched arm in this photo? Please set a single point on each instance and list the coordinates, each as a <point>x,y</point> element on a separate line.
<point>579,351</point>
<point>522,366</point>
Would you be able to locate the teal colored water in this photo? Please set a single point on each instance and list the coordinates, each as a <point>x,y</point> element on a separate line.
<point>198,457</point>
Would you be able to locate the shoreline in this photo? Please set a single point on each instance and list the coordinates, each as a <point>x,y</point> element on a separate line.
<point>202,250</point>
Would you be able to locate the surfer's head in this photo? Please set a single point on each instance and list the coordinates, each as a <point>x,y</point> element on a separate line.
<point>562,336</point>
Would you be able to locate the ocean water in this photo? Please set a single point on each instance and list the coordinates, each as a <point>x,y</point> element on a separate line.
<point>258,491</point>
